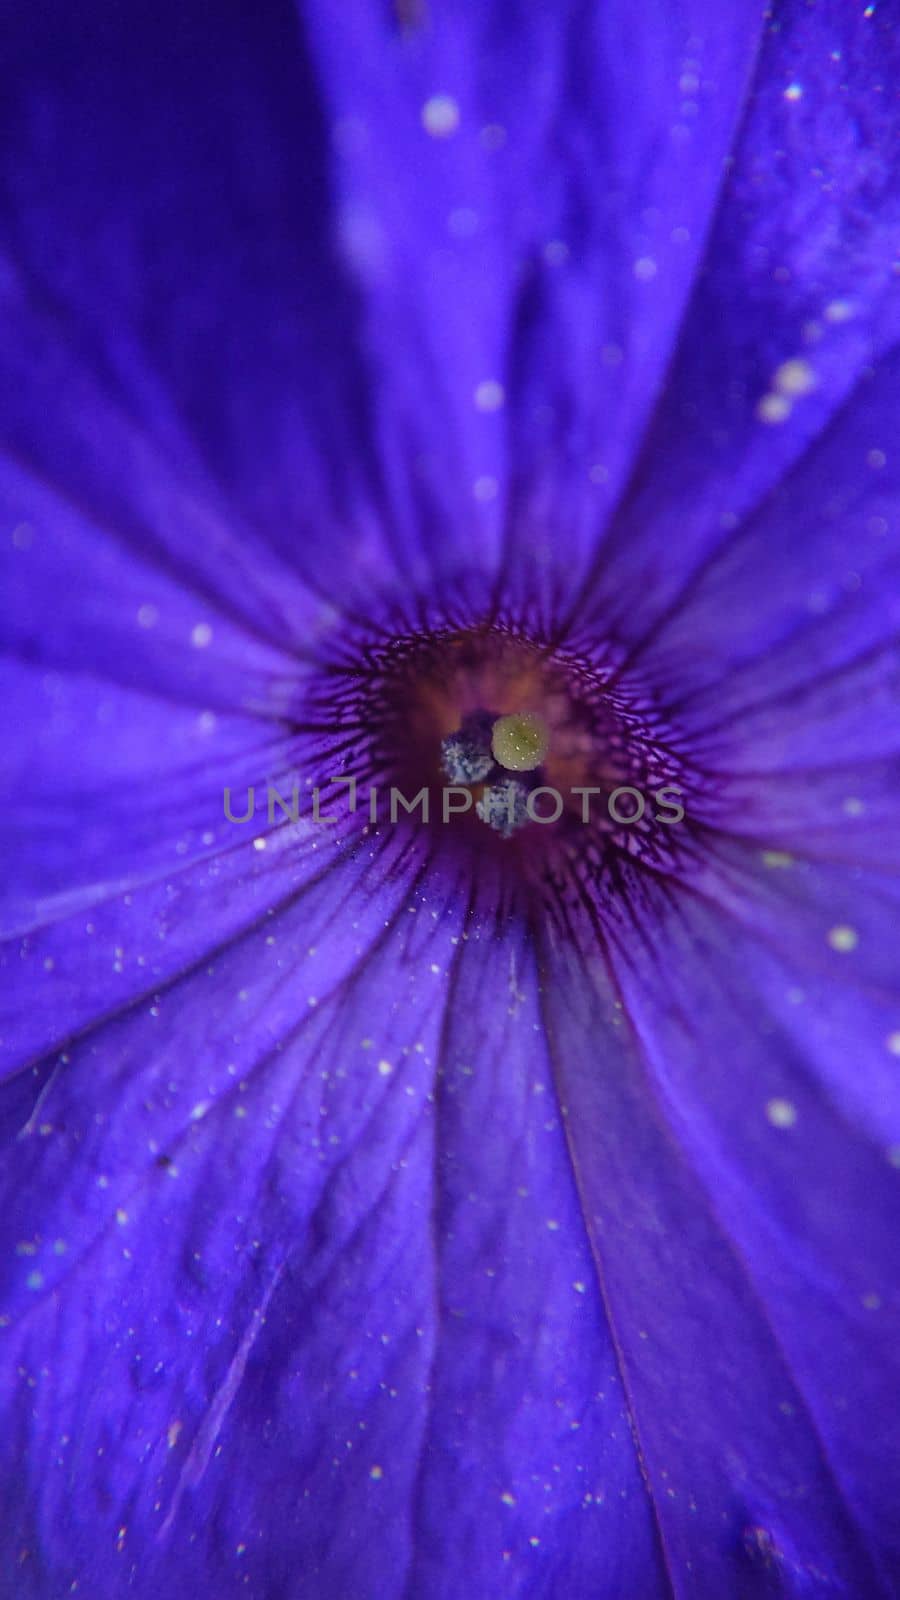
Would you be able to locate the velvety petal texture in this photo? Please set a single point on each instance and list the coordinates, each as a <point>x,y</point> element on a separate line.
<point>402,1212</point>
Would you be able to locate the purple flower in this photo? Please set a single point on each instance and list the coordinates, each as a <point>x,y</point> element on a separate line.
<point>502,1205</point>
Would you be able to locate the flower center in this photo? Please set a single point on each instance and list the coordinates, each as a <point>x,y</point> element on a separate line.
<point>502,741</point>
<point>483,750</point>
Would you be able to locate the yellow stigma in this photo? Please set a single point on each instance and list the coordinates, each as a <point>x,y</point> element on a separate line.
<point>520,741</point>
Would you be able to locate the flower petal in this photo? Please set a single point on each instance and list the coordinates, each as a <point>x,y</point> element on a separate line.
<point>799,607</point>
<point>291,1262</point>
<point>745,1219</point>
<point>794,306</point>
<point>560,150</point>
<point>171,270</point>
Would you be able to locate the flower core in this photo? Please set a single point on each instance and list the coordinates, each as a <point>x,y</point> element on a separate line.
<point>553,762</point>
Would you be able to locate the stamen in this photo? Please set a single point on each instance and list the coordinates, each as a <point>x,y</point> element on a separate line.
<point>466,755</point>
<point>503,806</point>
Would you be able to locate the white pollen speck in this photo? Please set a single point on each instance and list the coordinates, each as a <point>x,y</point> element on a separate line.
<point>781,1113</point>
<point>507,1498</point>
<point>462,222</point>
<point>794,91</point>
<point>794,377</point>
<point>490,395</point>
<point>385,1068</point>
<point>645,268</point>
<point>556,252</point>
<point>777,858</point>
<point>35,1280</point>
<point>893,1043</point>
<point>579,1287</point>
<point>121,1217</point>
<point>843,938</point>
<point>838,311</point>
<point>147,616</point>
<point>201,633</point>
<point>853,806</point>
<point>485,489</point>
<point>440,116</point>
<point>553,1225</point>
<point>259,844</point>
<point>493,136</point>
<point>376,1473</point>
<point>773,408</point>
